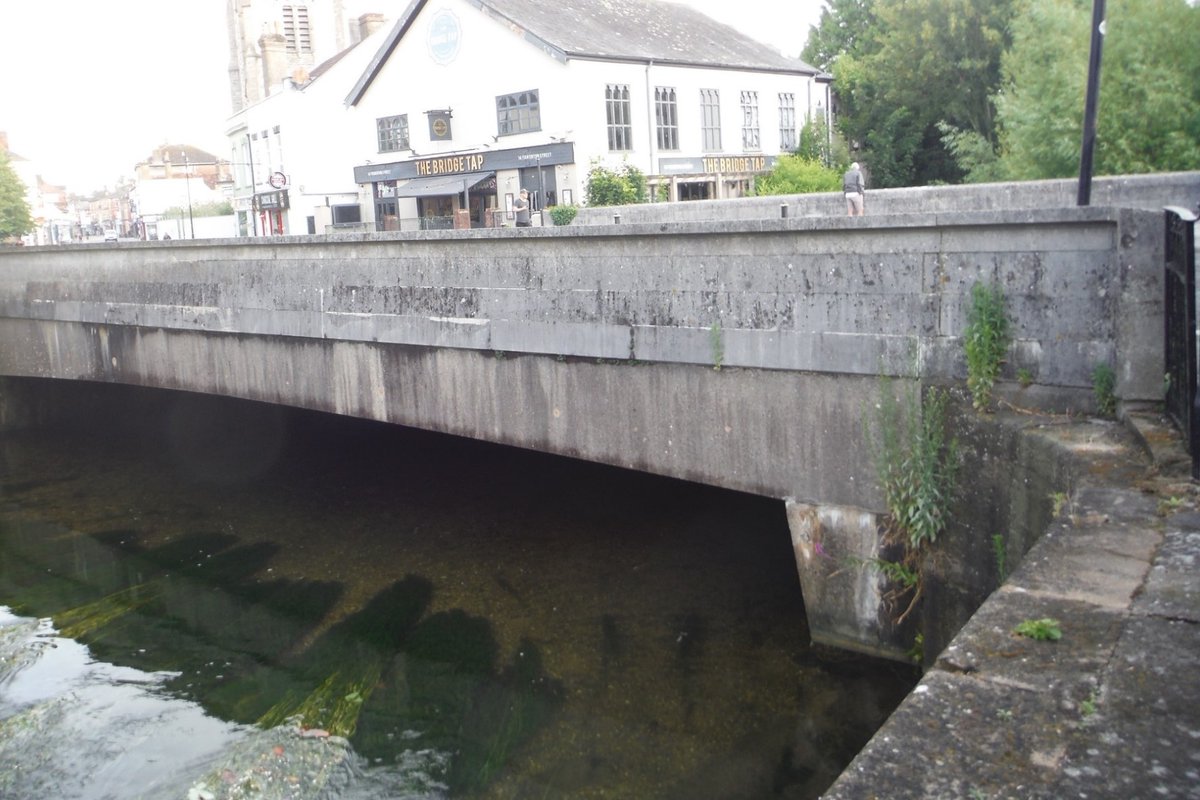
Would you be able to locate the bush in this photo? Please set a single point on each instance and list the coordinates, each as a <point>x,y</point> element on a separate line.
<point>608,188</point>
<point>563,215</point>
<point>797,175</point>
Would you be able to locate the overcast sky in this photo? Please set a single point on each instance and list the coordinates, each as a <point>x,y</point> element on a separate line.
<point>89,89</point>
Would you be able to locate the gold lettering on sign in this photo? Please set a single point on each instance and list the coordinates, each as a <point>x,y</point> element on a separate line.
<point>449,165</point>
<point>734,163</point>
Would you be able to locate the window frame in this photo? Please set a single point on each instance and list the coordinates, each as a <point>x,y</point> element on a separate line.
<point>666,117</point>
<point>751,134</point>
<point>518,112</point>
<point>618,113</point>
<point>789,138</point>
<point>710,120</point>
<point>385,134</point>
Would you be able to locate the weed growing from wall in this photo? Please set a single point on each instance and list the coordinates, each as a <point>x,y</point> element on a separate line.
<point>1000,553</point>
<point>917,463</point>
<point>716,341</point>
<point>1104,384</point>
<point>986,340</point>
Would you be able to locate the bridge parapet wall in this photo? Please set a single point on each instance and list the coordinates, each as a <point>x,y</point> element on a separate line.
<point>1147,192</point>
<point>846,296</point>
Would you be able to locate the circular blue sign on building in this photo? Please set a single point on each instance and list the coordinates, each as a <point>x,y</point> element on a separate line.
<point>444,36</point>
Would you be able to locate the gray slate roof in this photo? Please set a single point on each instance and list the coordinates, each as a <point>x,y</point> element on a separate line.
<point>642,30</point>
<point>616,30</point>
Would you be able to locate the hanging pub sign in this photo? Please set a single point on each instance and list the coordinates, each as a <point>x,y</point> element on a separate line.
<point>439,125</point>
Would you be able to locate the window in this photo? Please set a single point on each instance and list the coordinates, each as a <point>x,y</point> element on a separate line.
<point>787,122</point>
<point>346,214</point>
<point>620,123</point>
<point>750,121</point>
<point>295,29</point>
<point>710,119</point>
<point>518,113</point>
<point>393,133</point>
<point>667,116</point>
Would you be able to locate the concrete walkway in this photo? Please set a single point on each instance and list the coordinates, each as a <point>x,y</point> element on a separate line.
<point>1110,710</point>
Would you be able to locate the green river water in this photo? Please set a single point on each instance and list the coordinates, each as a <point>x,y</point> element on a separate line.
<point>193,592</point>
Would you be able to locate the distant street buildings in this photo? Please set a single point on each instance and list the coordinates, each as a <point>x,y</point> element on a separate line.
<point>439,117</point>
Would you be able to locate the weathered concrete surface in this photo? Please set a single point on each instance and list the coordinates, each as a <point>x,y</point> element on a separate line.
<point>862,296</point>
<point>1151,192</point>
<point>736,353</point>
<point>1112,709</point>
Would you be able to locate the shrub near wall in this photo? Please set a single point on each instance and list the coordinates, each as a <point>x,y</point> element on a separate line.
<point>798,175</point>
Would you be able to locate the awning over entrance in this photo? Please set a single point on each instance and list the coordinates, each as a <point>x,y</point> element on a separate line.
<point>438,185</point>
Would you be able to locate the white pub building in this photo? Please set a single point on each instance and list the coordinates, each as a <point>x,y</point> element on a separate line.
<point>439,118</point>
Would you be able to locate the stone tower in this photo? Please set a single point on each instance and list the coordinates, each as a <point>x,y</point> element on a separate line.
<point>274,40</point>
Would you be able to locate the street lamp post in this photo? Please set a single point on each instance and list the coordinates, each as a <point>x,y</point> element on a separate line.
<point>253,186</point>
<point>1091,101</point>
<point>187,177</point>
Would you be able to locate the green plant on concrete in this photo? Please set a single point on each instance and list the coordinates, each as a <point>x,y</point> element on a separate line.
<point>1025,377</point>
<point>1058,501</point>
<point>716,341</point>
<point>893,570</point>
<point>1041,630</point>
<point>1000,551</point>
<point>1087,707</point>
<point>986,340</point>
<point>917,463</point>
<point>917,651</point>
<point>1104,382</point>
<point>563,215</point>
<point>1169,505</point>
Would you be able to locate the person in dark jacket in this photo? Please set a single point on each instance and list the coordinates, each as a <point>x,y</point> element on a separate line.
<point>852,185</point>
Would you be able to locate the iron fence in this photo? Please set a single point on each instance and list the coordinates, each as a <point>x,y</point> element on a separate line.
<point>1180,313</point>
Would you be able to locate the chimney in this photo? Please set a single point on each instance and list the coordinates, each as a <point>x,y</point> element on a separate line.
<point>275,60</point>
<point>368,24</point>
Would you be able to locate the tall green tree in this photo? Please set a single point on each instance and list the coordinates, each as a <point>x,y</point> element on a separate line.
<point>15,217</point>
<point>1149,111</point>
<point>843,23</point>
<point>913,65</point>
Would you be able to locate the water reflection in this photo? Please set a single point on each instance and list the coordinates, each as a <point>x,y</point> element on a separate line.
<point>476,621</point>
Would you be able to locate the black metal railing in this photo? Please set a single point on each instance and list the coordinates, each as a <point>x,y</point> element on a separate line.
<point>1180,313</point>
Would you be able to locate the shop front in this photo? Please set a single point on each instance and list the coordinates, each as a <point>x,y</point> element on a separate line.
<point>459,190</point>
<point>270,207</point>
<point>711,177</point>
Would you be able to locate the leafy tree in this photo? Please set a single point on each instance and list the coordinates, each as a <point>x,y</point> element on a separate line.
<point>15,217</point>
<point>1149,111</point>
<point>819,143</point>
<point>841,25</point>
<point>796,174</point>
<point>608,188</point>
<point>914,64</point>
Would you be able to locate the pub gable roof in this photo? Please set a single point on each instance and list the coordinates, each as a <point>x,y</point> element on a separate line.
<point>640,31</point>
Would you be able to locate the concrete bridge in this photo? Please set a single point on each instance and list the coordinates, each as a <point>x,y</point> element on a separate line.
<point>741,353</point>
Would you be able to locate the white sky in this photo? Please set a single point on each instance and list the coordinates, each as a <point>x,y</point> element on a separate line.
<point>87,91</point>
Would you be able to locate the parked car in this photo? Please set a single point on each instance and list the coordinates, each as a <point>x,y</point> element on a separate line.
<point>110,235</point>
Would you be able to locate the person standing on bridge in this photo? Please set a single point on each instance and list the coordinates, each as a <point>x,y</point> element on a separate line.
<point>855,189</point>
<point>521,206</point>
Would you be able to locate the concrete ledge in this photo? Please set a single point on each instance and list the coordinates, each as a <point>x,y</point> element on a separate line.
<point>1111,710</point>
